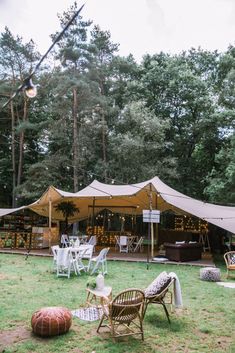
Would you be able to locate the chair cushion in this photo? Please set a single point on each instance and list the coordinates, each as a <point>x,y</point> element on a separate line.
<point>158,285</point>
<point>232,259</point>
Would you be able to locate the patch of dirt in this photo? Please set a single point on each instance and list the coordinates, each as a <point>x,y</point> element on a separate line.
<point>2,276</point>
<point>222,342</point>
<point>181,312</point>
<point>9,337</point>
<point>92,333</point>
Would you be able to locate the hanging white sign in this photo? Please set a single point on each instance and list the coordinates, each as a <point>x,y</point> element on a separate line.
<point>151,216</point>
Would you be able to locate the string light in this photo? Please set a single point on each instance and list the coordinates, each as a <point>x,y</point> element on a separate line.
<point>91,174</point>
<point>27,84</point>
<point>30,89</point>
<point>187,223</point>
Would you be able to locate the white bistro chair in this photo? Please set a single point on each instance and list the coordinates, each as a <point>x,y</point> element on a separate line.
<point>98,262</point>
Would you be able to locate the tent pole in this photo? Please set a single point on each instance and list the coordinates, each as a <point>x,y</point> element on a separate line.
<point>49,235</point>
<point>157,224</point>
<point>148,246</point>
<point>152,240</point>
<point>93,216</point>
<point>151,224</point>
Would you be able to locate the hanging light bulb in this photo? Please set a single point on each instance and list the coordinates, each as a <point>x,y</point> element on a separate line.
<point>30,89</point>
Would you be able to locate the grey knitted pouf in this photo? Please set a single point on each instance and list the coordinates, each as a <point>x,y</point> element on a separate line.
<point>211,274</point>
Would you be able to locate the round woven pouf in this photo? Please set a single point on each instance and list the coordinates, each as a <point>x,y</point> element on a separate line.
<point>211,274</point>
<point>51,321</point>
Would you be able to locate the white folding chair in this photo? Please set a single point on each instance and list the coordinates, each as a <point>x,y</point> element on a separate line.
<point>138,246</point>
<point>64,262</point>
<point>75,243</point>
<point>130,242</point>
<point>92,241</point>
<point>99,261</point>
<point>89,251</point>
<point>123,243</point>
<point>77,256</point>
<point>54,249</point>
<point>64,241</point>
<point>83,239</point>
<point>117,243</point>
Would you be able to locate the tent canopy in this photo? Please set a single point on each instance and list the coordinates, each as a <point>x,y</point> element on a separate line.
<point>133,199</point>
<point>129,199</point>
<point>6,211</point>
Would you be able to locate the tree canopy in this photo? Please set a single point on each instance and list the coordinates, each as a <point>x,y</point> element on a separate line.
<point>100,115</point>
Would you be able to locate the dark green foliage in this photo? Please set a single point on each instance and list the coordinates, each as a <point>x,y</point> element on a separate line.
<point>101,115</point>
<point>68,209</point>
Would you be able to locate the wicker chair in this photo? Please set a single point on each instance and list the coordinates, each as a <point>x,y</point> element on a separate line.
<point>229,258</point>
<point>162,298</point>
<point>124,314</point>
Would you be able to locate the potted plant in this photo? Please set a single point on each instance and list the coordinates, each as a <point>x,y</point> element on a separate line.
<point>68,209</point>
<point>91,283</point>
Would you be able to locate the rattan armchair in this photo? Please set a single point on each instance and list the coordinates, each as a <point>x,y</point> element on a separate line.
<point>162,298</point>
<point>124,314</point>
<point>229,258</point>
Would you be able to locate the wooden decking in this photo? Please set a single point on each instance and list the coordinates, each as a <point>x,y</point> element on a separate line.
<point>206,260</point>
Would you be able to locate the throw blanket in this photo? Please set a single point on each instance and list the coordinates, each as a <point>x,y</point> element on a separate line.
<point>177,291</point>
<point>88,314</point>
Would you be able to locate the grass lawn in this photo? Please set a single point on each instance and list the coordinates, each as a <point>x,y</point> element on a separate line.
<point>205,324</point>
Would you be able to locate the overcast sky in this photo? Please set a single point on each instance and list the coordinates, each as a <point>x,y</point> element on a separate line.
<point>139,26</point>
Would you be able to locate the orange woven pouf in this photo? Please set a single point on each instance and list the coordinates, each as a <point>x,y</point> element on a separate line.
<point>51,321</point>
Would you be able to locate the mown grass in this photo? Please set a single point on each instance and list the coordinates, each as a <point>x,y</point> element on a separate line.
<point>204,325</point>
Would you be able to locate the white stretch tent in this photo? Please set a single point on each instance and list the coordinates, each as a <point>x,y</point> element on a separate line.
<point>130,199</point>
<point>6,211</point>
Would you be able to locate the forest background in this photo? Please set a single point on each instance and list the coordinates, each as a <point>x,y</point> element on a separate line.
<point>103,116</point>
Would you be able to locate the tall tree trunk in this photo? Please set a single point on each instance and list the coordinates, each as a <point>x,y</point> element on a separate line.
<point>21,146</point>
<point>104,148</point>
<point>75,150</point>
<point>75,141</point>
<point>13,159</point>
<point>104,145</point>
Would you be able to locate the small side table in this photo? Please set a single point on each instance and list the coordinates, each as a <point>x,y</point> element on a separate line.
<point>98,298</point>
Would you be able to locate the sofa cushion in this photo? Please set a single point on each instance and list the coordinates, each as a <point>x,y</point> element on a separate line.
<point>157,286</point>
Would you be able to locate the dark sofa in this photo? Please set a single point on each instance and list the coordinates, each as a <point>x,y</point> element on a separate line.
<point>183,252</point>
